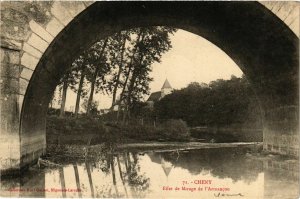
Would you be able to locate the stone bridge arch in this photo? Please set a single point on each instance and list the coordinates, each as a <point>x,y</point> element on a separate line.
<point>34,57</point>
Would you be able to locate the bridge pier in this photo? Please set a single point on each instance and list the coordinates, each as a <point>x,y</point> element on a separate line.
<point>10,104</point>
<point>281,131</point>
<point>16,150</point>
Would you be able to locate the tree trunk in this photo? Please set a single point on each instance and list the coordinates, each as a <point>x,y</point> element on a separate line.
<point>122,93</point>
<point>64,97</point>
<point>79,92</point>
<point>92,92</point>
<point>129,70</point>
<point>52,99</point>
<point>124,113</point>
<point>135,73</point>
<point>118,76</point>
<point>118,113</point>
<point>94,79</point>
<point>128,97</point>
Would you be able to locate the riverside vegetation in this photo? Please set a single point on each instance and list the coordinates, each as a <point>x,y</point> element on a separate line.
<point>225,108</point>
<point>88,130</point>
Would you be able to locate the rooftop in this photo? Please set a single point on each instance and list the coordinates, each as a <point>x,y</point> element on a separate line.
<point>154,96</point>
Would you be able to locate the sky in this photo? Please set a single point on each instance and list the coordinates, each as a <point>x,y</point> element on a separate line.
<point>191,59</point>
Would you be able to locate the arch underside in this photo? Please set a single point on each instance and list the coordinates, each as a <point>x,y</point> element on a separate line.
<point>263,47</point>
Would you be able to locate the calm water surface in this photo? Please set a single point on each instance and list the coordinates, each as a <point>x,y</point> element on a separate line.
<point>206,173</point>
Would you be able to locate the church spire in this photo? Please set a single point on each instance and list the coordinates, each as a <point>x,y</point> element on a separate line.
<point>166,85</point>
<point>166,89</point>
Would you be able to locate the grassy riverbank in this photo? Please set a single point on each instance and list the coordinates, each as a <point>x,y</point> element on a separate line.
<point>90,131</point>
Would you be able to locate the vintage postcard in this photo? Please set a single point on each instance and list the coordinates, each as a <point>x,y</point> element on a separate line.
<point>150,99</point>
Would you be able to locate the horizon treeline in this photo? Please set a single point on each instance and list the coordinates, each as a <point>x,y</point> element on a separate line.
<point>219,103</point>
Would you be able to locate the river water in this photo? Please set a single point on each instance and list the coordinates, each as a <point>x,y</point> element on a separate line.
<point>205,173</point>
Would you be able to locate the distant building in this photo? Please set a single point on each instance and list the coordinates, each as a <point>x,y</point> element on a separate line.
<point>156,96</point>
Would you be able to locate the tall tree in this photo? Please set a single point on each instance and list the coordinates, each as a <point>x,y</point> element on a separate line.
<point>79,66</point>
<point>85,68</point>
<point>153,43</point>
<point>68,80</point>
<point>98,68</point>
<point>135,44</point>
<point>118,61</point>
<point>64,95</point>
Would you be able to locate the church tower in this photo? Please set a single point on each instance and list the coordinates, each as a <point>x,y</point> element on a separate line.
<point>166,89</point>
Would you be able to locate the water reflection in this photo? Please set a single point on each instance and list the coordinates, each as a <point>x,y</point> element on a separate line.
<point>140,175</point>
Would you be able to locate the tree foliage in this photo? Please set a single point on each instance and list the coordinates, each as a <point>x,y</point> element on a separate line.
<point>221,103</point>
<point>147,48</point>
<point>121,64</point>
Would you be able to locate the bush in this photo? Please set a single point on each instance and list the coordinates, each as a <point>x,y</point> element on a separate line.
<point>175,130</point>
<point>171,130</point>
<point>68,125</point>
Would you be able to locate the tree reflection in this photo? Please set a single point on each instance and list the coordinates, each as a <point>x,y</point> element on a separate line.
<point>62,181</point>
<point>114,175</point>
<point>77,180</point>
<point>88,169</point>
<point>121,175</point>
<point>139,183</point>
<point>130,177</point>
<point>222,163</point>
